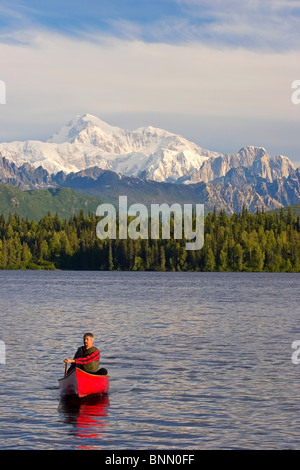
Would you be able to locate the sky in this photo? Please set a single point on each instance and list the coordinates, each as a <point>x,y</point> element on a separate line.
<point>218,72</point>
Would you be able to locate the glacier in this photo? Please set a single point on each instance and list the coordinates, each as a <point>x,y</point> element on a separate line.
<point>87,141</point>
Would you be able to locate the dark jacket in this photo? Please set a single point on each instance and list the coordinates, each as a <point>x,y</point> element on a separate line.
<point>87,359</point>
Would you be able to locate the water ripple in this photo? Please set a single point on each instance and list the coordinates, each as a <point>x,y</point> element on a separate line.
<point>196,361</point>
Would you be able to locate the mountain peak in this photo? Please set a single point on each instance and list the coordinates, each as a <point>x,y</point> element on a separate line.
<point>153,131</point>
<point>79,125</point>
<point>256,152</point>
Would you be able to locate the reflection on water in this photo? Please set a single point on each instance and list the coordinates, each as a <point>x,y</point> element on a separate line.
<point>86,415</point>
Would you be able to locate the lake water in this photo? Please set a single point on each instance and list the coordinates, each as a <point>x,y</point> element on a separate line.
<point>196,360</point>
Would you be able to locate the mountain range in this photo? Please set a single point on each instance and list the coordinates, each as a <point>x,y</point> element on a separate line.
<point>87,141</point>
<point>149,165</point>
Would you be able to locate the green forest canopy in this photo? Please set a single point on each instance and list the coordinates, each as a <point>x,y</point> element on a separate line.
<point>240,242</point>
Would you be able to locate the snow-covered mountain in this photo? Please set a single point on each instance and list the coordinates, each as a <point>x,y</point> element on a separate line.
<point>255,159</point>
<point>87,141</point>
<point>148,152</point>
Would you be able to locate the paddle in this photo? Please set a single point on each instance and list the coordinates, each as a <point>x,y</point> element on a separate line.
<point>66,368</point>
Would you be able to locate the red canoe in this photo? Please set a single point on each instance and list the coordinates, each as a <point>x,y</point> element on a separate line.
<point>81,384</point>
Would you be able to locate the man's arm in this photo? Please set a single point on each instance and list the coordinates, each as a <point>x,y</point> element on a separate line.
<point>77,354</point>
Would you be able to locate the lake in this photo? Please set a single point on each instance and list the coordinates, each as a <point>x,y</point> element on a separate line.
<point>196,360</point>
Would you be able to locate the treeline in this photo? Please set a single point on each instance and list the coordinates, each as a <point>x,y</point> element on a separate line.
<point>240,242</point>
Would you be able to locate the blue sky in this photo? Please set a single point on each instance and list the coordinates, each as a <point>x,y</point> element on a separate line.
<point>218,22</point>
<point>218,72</point>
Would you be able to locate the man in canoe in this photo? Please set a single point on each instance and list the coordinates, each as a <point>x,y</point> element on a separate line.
<point>87,357</point>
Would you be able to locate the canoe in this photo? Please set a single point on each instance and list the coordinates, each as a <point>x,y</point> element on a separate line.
<point>81,384</point>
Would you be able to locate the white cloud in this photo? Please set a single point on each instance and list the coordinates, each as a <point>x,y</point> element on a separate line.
<point>257,24</point>
<point>132,75</point>
<point>50,78</point>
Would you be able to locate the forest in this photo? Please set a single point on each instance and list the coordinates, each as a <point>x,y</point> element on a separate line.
<point>258,242</point>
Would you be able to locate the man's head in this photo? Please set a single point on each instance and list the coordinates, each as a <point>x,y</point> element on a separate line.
<point>88,340</point>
